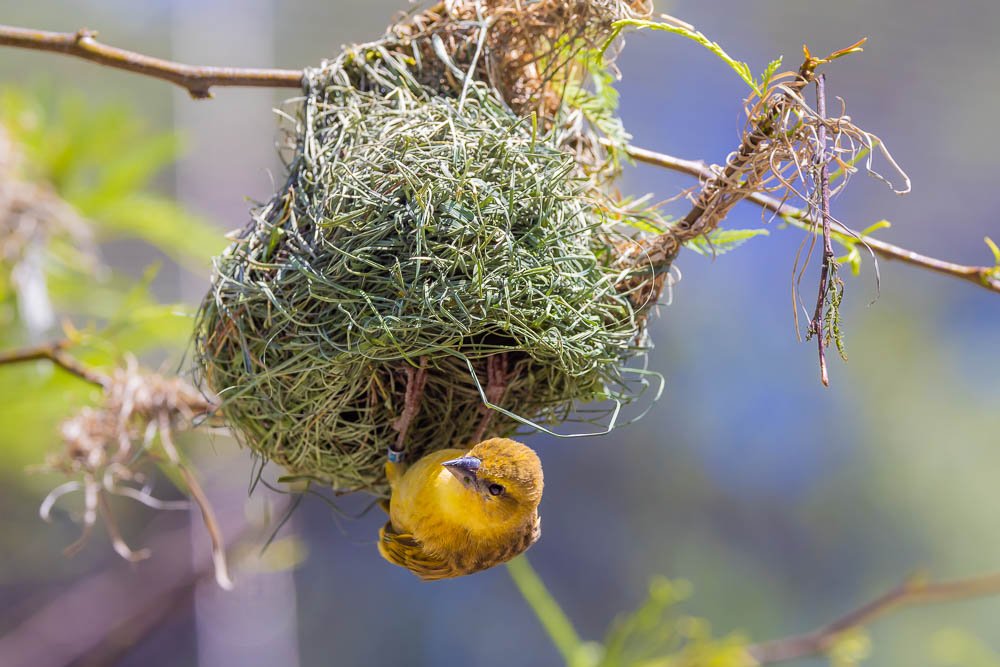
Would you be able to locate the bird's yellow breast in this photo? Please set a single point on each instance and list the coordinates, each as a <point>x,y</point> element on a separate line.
<point>432,505</point>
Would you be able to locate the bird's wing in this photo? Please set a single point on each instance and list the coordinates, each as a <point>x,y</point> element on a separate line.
<point>405,550</point>
<point>402,549</point>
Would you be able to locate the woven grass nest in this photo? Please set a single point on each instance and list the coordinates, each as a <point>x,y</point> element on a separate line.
<point>437,252</point>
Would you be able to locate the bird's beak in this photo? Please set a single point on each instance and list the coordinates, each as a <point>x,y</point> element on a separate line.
<point>464,469</point>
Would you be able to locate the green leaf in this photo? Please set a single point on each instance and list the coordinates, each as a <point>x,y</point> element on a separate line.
<point>186,237</point>
<point>851,259</point>
<point>128,173</point>
<point>870,229</point>
<point>994,249</point>
<point>645,632</point>
<point>721,241</point>
<point>657,634</point>
<point>101,159</point>
<point>850,649</point>
<point>637,213</point>
<point>772,67</point>
<point>34,397</point>
<point>850,243</point>
<point>955,647</point>
<point>599,105</point>
<point>688,31</point>
<point>161,326</point>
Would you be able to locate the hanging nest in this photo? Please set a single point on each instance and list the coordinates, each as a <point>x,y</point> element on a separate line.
<point>441,249</point>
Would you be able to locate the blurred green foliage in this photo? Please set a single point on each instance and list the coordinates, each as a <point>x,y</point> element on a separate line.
<point>954,647</point>
<point>103,161</point>
<point>657,634</point>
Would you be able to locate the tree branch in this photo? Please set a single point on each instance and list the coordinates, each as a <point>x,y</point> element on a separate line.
<point>742,174</point>
<point>56,353</point>
<point>829,263</point>
<point>197,80</point>
<point>913,591</point>
<point>984,276</point>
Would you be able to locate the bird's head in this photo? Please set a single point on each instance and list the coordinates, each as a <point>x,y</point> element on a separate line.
<point>503,478</point>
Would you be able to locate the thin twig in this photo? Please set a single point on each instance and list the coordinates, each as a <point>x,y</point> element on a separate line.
<point>984,276</point>
<point>913,591</point>
<point>823,185</point>
<point>198,81</point>
<point>56,353</point>
<point>121,547</point>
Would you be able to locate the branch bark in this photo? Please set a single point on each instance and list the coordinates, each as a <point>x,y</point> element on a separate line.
<point>983,276</point>
<point>198,81</point>
<point>56,353</point>
<point>913,591</point>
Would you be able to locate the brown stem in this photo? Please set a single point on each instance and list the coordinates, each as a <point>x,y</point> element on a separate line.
<point>983,276</point>
<point>416,378</point>
<point>823,183</point>
<point>56,353</point>
<point>197,80</point>
<point>497,376</point>
<point>913,591</point>
<point>712,204</point>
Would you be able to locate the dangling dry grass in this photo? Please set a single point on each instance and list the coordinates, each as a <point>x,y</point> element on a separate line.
<point>106,448</point>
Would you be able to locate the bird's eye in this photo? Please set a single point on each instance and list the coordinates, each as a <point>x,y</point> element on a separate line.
<point>496,490</point>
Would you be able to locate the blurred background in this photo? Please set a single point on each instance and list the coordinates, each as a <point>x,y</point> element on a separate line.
<point>783,503</point>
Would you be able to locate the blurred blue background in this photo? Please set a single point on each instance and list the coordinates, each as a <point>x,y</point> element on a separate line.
<point>783,503</point>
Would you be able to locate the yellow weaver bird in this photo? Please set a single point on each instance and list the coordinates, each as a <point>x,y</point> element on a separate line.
<point>455,512</point>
